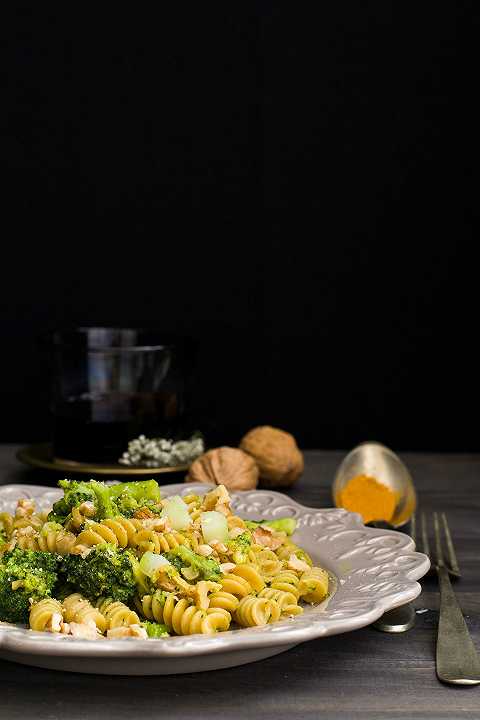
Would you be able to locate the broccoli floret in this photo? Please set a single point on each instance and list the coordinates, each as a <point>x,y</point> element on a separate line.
<point>182,556</point>
<point>106,570</point>
<point>155,630</point>
<point>76,493</point>
<point>240,546</point>
<point>130,496</point>
<point>286,525</point>
<point>25,575</point>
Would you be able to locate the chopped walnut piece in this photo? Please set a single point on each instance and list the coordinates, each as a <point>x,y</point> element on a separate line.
<point>265,537</point>
<point>55,623</point>
<point>17,584</point>
<point>25,507</point>
<point>27,531</point>
<point>218,546</point>
<point>131,631</point>
<point>86,631</point>
<point>235,532</point>
<point>143,513</point>
<point>205,550</point>
<point>294,563</point>
<point>87,508</point>
<point>156,523</point>
<point>217,499</point>
<point>82,550</point>
<point>227,567</point>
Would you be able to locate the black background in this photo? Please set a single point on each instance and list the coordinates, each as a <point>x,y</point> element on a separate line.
<point>294,185</point>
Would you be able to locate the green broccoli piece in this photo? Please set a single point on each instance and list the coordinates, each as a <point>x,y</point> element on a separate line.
<point>182,556</point>
<point>36,574</point>
<point>286,525</point>
<point>130,496</point>
<point>155,630</point>
<point>240,546</point>
<point>106,571</point>
<point>142,491</point>
<point>75,493</point>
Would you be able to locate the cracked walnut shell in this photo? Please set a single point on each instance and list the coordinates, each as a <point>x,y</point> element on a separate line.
<point>276,453</point>
<point>225,466</point>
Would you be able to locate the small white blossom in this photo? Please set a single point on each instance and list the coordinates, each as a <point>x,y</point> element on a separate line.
<point>161,452</point>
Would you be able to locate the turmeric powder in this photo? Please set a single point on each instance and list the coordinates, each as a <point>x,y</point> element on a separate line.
<point>372,499</point>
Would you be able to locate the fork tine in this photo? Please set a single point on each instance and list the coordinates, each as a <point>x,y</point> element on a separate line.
<point>451,552</point>
<point>413,528</point>
<point>438,543</point>
<point>426,546</point>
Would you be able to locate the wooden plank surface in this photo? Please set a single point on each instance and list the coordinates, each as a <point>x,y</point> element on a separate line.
<point>363,674</point>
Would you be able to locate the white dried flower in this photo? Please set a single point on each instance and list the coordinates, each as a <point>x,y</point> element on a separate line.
<point>161,452</point>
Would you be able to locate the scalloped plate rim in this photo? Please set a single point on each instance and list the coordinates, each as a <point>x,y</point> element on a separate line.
<point>286,633</point>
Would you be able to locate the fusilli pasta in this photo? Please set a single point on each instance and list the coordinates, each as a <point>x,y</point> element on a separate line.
<point>46,615</point>
<point>78,609</point>
<point>158,566</point>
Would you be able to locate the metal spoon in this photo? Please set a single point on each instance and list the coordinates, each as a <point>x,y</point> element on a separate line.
<point>378,461</point>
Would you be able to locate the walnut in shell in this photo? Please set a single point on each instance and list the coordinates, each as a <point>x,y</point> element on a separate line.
<point>276,453</point>
<point>225,466</point>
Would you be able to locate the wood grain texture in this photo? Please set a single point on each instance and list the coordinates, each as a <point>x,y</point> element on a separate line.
<point>364,674</point>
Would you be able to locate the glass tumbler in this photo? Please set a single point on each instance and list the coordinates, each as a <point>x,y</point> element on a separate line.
<point>111,385</point>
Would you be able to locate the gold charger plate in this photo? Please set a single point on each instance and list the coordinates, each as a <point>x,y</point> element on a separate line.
<point>41,455</point>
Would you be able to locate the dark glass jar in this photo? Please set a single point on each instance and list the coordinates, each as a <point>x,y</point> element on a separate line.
<point>111,385</point>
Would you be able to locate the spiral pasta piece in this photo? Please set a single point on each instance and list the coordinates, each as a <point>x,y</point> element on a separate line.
<point>48,539</point>
<point>286,580</point>
<point>268,563</point>
<point>152,606</point>
<point>290,548</point>
<point>224,600</point>
<point>187,619</point>
<point>253,611</point>
<point>79,515</point>
<point>117,531</point>
<point>153,541</point>
<point>285,600</point>
<point>313,585</point>
<point>116,613</point>
<point>182,616</point>
<point>78,609</point>
<point>251,575</point>
<point>46,615</point>
<point>235,585</point>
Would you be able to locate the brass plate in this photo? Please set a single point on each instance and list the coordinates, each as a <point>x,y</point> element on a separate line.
<point>41,455</point>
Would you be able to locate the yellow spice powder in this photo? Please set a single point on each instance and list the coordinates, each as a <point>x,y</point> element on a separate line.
<point>370,498</point>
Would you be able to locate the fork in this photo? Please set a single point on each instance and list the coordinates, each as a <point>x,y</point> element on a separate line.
<point>457,659</point>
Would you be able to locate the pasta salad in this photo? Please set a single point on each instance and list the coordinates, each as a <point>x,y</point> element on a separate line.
<point>120,561</point>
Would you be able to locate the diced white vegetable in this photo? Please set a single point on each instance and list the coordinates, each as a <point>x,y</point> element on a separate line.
<point>214,526</point>
<point>176,510</point>
<point>151,561</point>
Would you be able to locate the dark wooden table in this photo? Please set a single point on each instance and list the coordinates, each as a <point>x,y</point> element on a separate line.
<point>363,674</point>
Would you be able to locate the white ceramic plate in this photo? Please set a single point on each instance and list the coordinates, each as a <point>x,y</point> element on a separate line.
<point>374,571</point>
